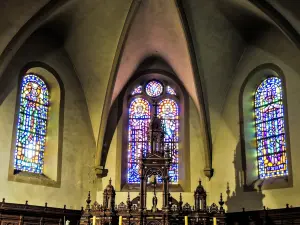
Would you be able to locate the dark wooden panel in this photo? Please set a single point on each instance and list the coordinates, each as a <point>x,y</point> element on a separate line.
<point>25,214</point>
<point>282,216</point>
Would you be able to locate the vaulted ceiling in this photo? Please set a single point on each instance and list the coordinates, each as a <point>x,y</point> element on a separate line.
<point>14,14</point>
<point>202,41</point>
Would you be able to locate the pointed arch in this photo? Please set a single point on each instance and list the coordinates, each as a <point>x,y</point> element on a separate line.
<point>101,145</point>
<point>172,109</point>
<point>201,92</point>
<point>184,63</point>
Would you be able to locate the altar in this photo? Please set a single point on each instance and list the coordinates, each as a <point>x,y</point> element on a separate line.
<point>154,164</point>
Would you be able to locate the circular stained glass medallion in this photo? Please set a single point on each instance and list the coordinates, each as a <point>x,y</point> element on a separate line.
<point>154,88</point>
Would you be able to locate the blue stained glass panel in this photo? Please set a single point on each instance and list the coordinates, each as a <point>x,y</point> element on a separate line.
<point>268,113</point>
<point>32,125</point>
<point>269,127</point>
<point>138,125</point>
<point>168,111</point>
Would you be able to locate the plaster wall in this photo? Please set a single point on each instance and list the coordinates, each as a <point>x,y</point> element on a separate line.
<point>218,47</point>
<point>92,43</point>
<point>78,147</point>
<point>14,15</point>
<point>196,166</point>
<point>227,148</point>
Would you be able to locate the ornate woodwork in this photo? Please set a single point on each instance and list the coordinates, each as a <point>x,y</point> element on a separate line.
<point>25,214</point>
<point>288,215</point>
<point>153,163</point>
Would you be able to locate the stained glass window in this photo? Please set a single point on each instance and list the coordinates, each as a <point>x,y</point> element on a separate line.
<point>270,130</point>
<point>154,88</point>
<point>137,90</point>
<point>170,91</point>
<point>139,120</point>
<point>140,113</point>
<point>169,113</point>
<point>32,125</point>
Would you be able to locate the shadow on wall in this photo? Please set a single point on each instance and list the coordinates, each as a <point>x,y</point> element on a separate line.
<point>239,199</point>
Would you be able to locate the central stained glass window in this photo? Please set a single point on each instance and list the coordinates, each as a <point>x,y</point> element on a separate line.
<point>270,130</point>
<point>141,111</point>
<point>32,125</point>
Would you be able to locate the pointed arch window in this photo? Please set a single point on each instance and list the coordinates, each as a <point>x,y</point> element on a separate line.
<point>270,129</point>
<point>31,125</point>
<point>141,110</point>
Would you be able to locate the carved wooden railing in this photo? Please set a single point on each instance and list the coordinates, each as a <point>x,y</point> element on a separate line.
<point>284,216</point>
<point>25,214</point>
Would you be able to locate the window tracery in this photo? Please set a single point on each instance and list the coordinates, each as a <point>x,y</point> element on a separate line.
<point>154,88</point>
<point>140,113</point>
<point>137,90</point>
<point>171,91</point>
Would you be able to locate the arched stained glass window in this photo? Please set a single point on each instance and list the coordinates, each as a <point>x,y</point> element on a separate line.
<point>168,111</point>
<point>270,130</point>
<point>141,110</point>
<point>32,125</point>
<point>139,120</point>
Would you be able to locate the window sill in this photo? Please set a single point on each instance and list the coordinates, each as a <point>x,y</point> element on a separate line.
<point>159,188</point>
<point>32,178</point>
<point>269,183</point>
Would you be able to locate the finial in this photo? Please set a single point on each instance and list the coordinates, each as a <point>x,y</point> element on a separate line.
<point>228,190</point>
<point>109,181</point>
<point>65,206</point>
<point>221,202</point>
<point>88,201</point>
<point>264,207</point>
<point>3,200</point>
<point>89,198</point>
<point>128,196</point>
<point>199,181</point>
<point>180,202</point>
<point>26,203</point>
<point>46,204</point>
<point>243,209</point>
<point>287,206</point>
<point>221,199</point>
